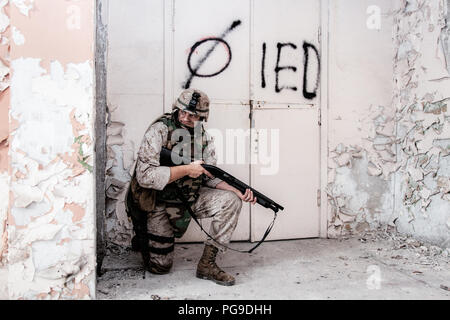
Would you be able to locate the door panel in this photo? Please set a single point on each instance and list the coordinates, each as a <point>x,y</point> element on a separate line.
<point>284,88</point>
<point>211,51</point>
<point>211,48</point>
<point>284,46</point>
<point>294,182</point>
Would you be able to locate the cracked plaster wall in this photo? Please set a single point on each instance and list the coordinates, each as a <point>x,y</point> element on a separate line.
<point>422,96</point>
<point>392,167</point>
<point>50,234</point>
<point>361,119</point>
<point>4,132</point>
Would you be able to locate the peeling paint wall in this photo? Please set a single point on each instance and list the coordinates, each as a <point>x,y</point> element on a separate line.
<point>4,133</point>
<point>422,96</point>
<point>361,119</point>
<point>51,220</point>
<point>389,137</point>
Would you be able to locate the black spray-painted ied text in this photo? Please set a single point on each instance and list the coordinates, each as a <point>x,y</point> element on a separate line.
<point>311,58</point>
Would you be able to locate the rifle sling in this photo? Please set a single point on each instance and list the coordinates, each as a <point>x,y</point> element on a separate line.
<point>189,209</point>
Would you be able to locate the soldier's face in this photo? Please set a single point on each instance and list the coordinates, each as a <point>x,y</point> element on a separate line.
<point>188,119</point>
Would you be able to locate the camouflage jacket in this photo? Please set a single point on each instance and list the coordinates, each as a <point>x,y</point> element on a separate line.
<point>150,180</point>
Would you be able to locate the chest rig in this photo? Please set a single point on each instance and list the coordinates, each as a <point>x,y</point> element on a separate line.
<point>141,199</point>
<point>188,186</point>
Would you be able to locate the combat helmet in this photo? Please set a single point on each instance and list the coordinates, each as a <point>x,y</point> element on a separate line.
<point>193,101</point>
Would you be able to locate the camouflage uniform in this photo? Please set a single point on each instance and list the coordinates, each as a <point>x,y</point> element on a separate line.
<point>165,213</point>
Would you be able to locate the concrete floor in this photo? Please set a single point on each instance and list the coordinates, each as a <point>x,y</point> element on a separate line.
<point>348,268</point>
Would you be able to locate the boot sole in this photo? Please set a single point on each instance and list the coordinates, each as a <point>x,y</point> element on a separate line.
<point>222,283</point>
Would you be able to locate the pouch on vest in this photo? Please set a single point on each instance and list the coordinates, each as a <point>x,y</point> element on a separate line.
<point>145,198</point>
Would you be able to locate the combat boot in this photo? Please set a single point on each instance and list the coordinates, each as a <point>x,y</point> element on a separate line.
<point>208,269</point>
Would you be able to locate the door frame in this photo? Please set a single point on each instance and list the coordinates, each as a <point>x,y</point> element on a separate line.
<point>323,115</point>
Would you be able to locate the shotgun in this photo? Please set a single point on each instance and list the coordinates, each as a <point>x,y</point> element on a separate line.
<point>170,159</point>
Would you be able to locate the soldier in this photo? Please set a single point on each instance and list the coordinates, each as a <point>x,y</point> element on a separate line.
<point>153,202</point>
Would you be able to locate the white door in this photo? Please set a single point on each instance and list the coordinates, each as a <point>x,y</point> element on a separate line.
<point>284,87</point>
<point>250,56</point>
<point>288,172</point>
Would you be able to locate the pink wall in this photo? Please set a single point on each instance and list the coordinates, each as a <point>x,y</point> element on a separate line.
<point>4,132</point>
<point>56,30</point>
<point>49,125</point>
<point>4,98</point>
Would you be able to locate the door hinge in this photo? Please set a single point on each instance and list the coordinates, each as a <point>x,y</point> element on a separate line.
<point>319,120</point>
<point>319,35</point>
<point>319,197</point>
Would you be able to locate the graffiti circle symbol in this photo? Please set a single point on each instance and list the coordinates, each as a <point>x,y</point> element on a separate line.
<point>198,44</point>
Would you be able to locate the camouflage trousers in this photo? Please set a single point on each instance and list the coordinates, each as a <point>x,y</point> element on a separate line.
<point>222,206</point>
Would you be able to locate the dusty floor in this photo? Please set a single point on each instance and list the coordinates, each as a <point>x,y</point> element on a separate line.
<point>374,266</point>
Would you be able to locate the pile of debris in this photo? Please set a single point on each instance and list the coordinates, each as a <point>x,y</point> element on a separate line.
<point>426,253</point>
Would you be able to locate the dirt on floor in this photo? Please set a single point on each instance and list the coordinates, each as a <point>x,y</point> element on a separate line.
<point>376,265</point>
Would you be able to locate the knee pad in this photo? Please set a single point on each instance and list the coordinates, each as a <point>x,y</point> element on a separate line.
<point>161,253</point>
